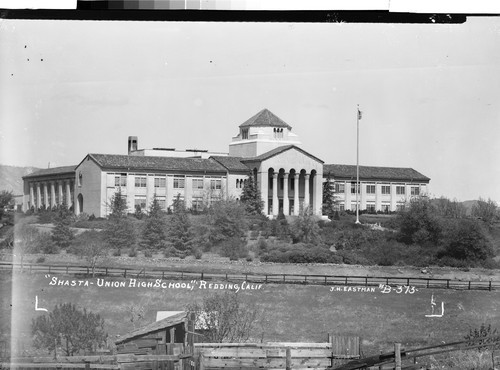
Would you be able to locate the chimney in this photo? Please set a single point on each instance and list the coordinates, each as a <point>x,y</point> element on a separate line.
<point>132,144</point>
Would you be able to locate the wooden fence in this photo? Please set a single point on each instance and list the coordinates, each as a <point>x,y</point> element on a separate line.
<point>418,282</point>
<point>296,356</point>
<point>211,356</point>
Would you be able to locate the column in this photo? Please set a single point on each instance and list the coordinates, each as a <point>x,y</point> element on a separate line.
<point>286,205</point>
<point>68,194</point>
<point>38,197</point>
<point>32,197</point>
<point>45,195</point>
<point>296,204</point>
<point>275,194</point>
<point>306,190</point>
<point>264,189</point>
<point>52,195</point>
<point>60,191</point>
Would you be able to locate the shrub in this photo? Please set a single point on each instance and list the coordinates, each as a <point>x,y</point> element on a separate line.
<point>117,253</point>
<point>148,253</point>
<point>132,252</point>
<point>40,260</point>
<point>197,253</point>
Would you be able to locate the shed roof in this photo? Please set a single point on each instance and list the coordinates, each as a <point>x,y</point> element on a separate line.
<point>265,118</point>
<point>345,171</point>
<point>154,327</point>
<point>154,163</point>
<point>52,171</point>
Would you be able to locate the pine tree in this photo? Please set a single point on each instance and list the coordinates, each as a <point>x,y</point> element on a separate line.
<point>179,230</point>
<point>329,201</point>
<point>119,232</point>
<point>251,197</point>
<point>154,233</point>
<point>62,235</point>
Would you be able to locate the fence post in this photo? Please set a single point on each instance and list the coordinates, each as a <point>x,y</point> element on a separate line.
<point>397,355</point>
<point>288,359</point>
<point>125,273</point>
<point>448,284</point>
<point>87,365</point>
<point>490,286</point>
<point>469,284</point>
<point>106,271</point>
<point>325,280</point>
<point>366,281</point>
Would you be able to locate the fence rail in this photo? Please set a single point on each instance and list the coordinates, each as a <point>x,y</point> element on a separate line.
<point>333,280</point>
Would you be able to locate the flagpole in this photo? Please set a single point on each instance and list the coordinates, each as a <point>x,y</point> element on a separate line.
<point>357,166</point>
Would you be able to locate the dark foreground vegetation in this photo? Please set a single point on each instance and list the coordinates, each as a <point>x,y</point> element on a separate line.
<point>427,232</point>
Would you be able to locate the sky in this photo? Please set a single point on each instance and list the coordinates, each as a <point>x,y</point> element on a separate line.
<point>429,93</point>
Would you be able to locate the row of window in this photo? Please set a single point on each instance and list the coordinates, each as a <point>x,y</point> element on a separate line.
<point>196,202</point>
<point>371,189</point>
<point>161,182</point>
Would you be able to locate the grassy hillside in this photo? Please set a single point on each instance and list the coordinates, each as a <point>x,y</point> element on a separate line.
<point>287,312</point>
<point>11,178</point>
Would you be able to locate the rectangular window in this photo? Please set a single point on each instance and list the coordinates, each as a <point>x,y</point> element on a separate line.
<point>370,189</point>
<point>354,188</point>
<point>400,190</point>
<point>340,188</point>
<point>215,184</point>
<point>197,184</point>
<point>179,182</point>
<point>341,207</point>
<point>140,201</point>
<point>386,189</point>
<point>282,182</point>
<point>386,207</point>
<point>400,207</point>
<point>160,182</point>
<point>370,207</point>
<point>162,203</point>
<point>121,180</point>
<point>140,182</point>
<point>415,190</point>
<point>197,203</point>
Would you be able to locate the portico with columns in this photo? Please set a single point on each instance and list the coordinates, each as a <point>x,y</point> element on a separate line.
<point>49,188</point>
<point>289,180</point>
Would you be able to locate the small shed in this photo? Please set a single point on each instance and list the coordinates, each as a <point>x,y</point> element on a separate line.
<point>172,335</point>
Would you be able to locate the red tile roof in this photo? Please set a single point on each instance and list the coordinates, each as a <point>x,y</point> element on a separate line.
<point>343,171</point>
<point>265,118</point>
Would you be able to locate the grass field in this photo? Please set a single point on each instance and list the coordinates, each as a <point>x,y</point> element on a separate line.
<point>289,313</point>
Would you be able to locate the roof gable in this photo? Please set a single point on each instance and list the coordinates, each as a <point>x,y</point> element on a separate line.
<point>373,173</point>
<point>277,151</point>
<point>265,118</point>
<point>153,163</point>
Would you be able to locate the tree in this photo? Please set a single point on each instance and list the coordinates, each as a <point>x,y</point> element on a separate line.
<point>70,328</point>
<point>90,246</point>
<point>226,219</point>
<point>449,208</point>
<point>224,318</point>
<point>250,197</point>
<point>305,228</point>
<point>465,240</point>
<point>119,231</point>
<point>62,235</point>
<point>154,233</point>
<point>486,210</point>
<point>419,223</point>
<point>179,229</point>
<point>6,199</point>
<point>329,197</point>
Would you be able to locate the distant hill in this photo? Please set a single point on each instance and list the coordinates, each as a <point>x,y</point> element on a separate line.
<point>11,178</point>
